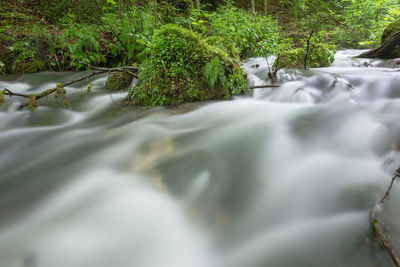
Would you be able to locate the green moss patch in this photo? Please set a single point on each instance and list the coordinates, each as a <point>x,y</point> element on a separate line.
<point>390,30</point>
<point>30,67</point>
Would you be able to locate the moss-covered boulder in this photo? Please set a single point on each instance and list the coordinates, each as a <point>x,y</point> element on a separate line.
<point>390,30</point>
<point>182,67</point>
<point>29,67</point>
<point>118,81</point>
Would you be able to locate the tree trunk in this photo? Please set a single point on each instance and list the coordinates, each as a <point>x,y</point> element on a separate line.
<point>198,4</point>
<point>265,7</point>
<point>155,12</point>
<point>155,7</point>
<point>385,51</point>
<point>253,8</point>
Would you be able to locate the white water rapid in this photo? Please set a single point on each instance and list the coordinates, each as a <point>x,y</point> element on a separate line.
<point>284,177</point>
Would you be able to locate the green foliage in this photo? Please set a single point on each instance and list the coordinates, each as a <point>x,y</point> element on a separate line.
<point>55,11</point>
<point>362,22</point>
<point>2,68</point>
<point>214,71</point>
<point>252,36</point>
<point>224,45</point>
<point>134,28</point>
<point>320,53</point>
<point>79,43</point>
<point>182,67</point>
<point>21,51</point>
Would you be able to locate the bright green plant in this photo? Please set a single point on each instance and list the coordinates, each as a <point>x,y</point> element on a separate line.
<point>315,52</point>
<point>252,36</point>
<point>214,71</point>
<point>134,29</point>
<point>79,43</point>
<point>2,68</point>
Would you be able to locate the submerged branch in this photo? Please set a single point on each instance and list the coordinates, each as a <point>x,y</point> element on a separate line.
<point>373,217</point>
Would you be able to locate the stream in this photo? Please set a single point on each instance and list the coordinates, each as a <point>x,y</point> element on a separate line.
<point>283,177</point>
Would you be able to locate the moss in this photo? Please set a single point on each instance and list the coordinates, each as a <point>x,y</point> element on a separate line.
<point>29,67</point>
<point>225,45</point>
<point>179,69</point>
<point>2,100</point>
<point>390,30</point>
<point>118,81</point>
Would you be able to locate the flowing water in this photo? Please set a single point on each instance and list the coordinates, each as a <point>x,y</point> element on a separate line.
<point>284,177</point>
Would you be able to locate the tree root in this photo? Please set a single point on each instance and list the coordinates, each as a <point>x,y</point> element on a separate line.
<point>373,217</point>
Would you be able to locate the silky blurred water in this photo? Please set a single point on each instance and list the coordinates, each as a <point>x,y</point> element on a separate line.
<point>282,177</point>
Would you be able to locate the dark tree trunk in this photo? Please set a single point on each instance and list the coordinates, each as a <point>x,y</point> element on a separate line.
<point>386,50</point>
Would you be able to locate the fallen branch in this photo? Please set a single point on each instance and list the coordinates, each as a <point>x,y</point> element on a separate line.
<point>47,92</point>
<point>373,217</point>
<point>264,86</point>
<point>123,68</point>
<point>126,69</point>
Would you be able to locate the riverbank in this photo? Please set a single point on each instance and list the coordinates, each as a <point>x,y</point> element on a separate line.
<point>58,35</point>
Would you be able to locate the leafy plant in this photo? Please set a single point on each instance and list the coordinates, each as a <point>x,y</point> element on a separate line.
<point>214,71</point>
<point>79,43</point>
<point>252,36</point>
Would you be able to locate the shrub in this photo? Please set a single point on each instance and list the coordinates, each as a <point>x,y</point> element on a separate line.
<point>252,36</point>
<point>321,54</point>
<point>79,43</point>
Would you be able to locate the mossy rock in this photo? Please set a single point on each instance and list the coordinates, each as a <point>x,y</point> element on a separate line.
<point>182,67</point>
<point>225,45</point>
<point>118,81</point>
<point>29,67</point>
<point>390,30</point>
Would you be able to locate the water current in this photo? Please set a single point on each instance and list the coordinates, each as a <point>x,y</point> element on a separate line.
<point>282,177</point>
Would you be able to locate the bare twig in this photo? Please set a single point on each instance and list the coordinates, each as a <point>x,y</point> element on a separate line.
<point>373,217</point>
<point>308,49</point>
<point>10,93</point>
<point>123,68</point>
<point>126,69</point>
<point>264,86</point>
<point>387,194</point>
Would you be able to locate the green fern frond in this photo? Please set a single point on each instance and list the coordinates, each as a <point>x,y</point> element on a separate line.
<point>214,71</point>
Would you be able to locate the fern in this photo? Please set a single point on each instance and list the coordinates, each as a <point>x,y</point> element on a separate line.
<point>214,71</point>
